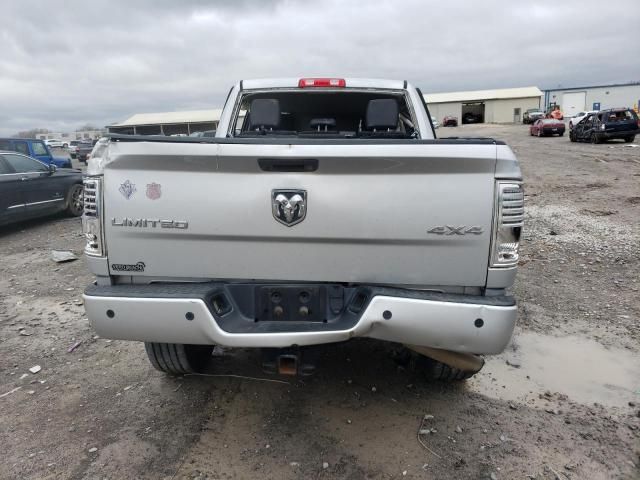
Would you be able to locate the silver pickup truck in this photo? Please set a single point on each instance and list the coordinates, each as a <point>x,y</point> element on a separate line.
<point>324,209</point>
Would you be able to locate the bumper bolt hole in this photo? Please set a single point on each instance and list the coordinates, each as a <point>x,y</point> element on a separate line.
<point>479,323</point>
<point>110,313</point>
<point>189,316</point>
<point>386,315</point>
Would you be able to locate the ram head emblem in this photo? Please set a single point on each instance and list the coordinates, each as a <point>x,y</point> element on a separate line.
<point>289,207</point>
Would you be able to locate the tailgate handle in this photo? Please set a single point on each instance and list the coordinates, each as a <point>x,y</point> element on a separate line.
<point>288,164</point>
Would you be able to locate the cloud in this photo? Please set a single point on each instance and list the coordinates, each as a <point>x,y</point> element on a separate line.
<point>66,63</point>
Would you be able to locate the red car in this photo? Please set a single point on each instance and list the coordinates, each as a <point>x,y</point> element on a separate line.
<point>450,121</point>
<point>547,126</point>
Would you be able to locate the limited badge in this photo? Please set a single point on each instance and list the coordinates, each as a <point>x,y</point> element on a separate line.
<point>154,191</point>
<point>127,189</point>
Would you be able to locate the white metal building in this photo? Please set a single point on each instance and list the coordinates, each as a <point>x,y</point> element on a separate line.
<point>505,105</point>
<point>168,123</point>
<point>576,99</point>
<point>77,135</point>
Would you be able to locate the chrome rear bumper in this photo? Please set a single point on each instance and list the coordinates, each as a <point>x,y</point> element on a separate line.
<point>460,326</point>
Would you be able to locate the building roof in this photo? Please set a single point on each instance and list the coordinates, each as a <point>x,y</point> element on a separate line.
<point>611,85</point>
<point>477,95</point>
<point>166,118</point>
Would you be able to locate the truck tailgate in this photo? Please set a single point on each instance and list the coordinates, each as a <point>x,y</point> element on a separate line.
<point>369,212</point>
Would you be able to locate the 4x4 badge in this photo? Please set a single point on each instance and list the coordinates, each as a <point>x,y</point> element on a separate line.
<point>456,230</point>
<point>289,207</point>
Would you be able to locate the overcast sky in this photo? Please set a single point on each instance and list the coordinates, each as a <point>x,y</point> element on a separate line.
<point>67,63</point>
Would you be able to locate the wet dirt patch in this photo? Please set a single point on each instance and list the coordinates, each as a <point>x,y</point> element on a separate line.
<point>598,213</point>
<point>597,185</point>
<point>578,367</point>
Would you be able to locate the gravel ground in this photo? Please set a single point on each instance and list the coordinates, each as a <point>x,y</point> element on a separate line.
<point>563,402</point>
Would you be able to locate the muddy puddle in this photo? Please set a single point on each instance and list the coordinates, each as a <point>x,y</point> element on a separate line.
<point>578,367</point>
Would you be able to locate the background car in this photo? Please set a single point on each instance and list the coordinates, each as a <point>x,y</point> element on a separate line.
<point>30,188</point>
<point>531,115</point>
<point>73,148</point>
<point>470,117</point>
<point>435,122</point>
<point>36,149</point>
<point>615,123</point>
<point>547,126</point>
<point>206,133</point>
<point>55,143</point>
<point>84,149</point>
<point>450,121</point>
<point>579,116</point>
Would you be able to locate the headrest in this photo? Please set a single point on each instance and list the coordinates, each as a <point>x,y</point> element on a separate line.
<point>264,113</point>
<point>382,113</point>
<point>322,123</point>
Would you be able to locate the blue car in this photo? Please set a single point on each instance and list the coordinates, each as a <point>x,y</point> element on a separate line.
<point>35,149</point>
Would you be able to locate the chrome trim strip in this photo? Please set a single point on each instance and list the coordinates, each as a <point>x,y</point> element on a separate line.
<point>17,206</point>
<point>22,173</point>
<point>45,201</point>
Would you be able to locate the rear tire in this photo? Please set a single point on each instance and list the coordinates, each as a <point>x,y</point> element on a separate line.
<point>595,138</point>
<point>561,134</point>
<point>75,201</point>
<point>629,139</point>
<point>177,358</point>
<point>572,137</point>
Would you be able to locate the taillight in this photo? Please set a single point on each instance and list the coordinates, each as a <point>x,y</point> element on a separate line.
<point>92,217</point>
<point>508,224</point>
<point>322,82</point>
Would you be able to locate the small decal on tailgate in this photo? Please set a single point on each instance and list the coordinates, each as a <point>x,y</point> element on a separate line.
<point>154,190</point>
<point>128,267</point>
<point>127,189</point>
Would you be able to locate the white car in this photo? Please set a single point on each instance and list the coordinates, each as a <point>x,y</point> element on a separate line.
<point>435,122</point>
<point>53,143</point>
<point>73,148</point>
<point>579,116</point>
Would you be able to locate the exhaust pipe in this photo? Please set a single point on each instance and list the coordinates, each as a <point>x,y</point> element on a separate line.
<point>462,361</point>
